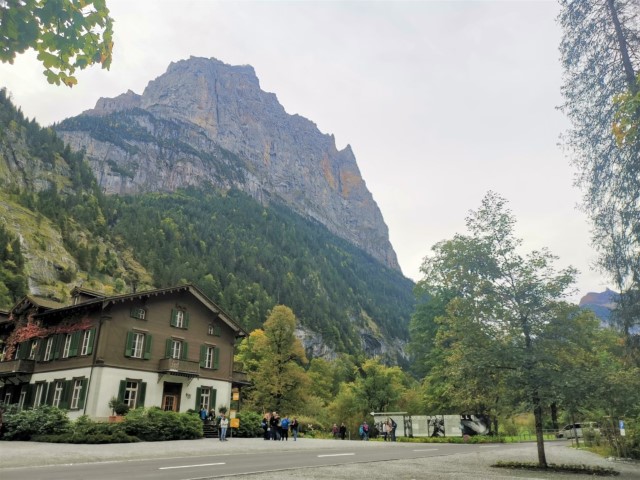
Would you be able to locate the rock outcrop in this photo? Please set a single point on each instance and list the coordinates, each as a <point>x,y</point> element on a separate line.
<point>204,122</point>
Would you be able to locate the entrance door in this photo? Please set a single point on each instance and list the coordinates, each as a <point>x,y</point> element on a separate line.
<point>171,396</point>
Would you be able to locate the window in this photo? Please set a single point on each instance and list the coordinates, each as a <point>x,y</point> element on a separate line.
<point>75,394</point>
<point>179,318</point>
<point>34,349</point>
<point>214,330</point>
<point>7,398</point>
<point>67,347</point>
<point>87,342</point>
<point>139,313</point>
<point>48,349</point>
<point>209,357</point>
<point>57,393</point>
<point>132,392</point>
<point>39,395</point>
<point>138,345</point>
<point>176,349</point>
<point>205,398</point>
<point>3,352</point>
<point>22,398</point>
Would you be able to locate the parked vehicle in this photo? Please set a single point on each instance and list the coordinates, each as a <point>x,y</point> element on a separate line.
<point>577,429</point>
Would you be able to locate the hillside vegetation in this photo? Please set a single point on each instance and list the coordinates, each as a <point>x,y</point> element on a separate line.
<point>248,257</point>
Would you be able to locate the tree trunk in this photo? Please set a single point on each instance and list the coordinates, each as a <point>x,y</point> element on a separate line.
<point>622,46</point>
<point>537,412</point>
<point>554,416</point>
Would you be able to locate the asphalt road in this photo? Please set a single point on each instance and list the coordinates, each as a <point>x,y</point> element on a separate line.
<point>267,460</point>
<point>218,465</point>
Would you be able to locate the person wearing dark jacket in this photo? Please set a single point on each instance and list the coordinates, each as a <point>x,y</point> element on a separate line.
<point>343,431</point>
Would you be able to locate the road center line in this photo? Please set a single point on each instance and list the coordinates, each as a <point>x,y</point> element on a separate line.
<point>336,455</point>
<point>426,450</point>
<point>192,466</point>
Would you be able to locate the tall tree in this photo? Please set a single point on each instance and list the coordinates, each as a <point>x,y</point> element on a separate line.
<point>494,336</point>
<point>274,359</point>
<point>66,34</point>
<point>600,52</point>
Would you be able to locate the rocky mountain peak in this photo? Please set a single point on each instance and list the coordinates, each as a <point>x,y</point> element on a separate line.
<point>205,122</point>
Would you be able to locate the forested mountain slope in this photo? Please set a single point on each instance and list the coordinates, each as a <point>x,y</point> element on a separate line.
<point>247,256</point>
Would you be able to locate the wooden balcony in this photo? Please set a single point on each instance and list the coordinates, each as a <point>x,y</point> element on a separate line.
<point>16,367</point>
<point>182,368</point>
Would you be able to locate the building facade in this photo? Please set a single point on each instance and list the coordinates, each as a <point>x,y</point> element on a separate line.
<point>171,348</point>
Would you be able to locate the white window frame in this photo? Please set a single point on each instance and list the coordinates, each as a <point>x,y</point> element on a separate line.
<point>75,394</point>
<point>57,394</point>
<point>176,349</point>
<point>3,353</point>
<point>7,398</point>
<point>180,319</point>
<point>209,357</point>
<point>34,349</point>
<point>211,329</point>
<point>37,399</point>
<point>22,398</point>
<point>131,393</point>
<point>86,339</point>
<point>205,398</point>
<point>137,346</point>
<point>139,313</point>
<point>48,350</point>
<point>67,346</point>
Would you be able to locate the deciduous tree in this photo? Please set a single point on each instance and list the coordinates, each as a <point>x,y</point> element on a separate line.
<point>66,34</point>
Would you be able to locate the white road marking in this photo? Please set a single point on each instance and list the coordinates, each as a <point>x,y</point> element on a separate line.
<point>192,466</point>
<point>426,450</point>
<point>336,455</point>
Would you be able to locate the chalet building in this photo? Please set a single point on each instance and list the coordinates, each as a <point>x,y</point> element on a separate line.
<point>171,348</point>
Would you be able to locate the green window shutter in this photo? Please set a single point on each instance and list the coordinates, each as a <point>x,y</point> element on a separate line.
<point>75,340</point>
<point>123,386</point>
<point>216,358</point>
<point>167,348</point>
<point>51,387</point>
<point>92,338</point>
<point>174,313</point>
<point>212,404</point>
<point>185,351</point>
<point>83,393</point>
<point>217,330</point>
<point>58,343</point>
<point>203,355</point>
<point>198,397</point>
<point>67,387</point>
<point>142,393</point>
<point>186,319</point>
<point>19,349</point>
<point>43,348</point>
<point>28,399</point>
<point>128,348</point>
<point>147,347</point>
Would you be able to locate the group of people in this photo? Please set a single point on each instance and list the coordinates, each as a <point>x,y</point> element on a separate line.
<point>275,427</point>
<point>386,428</point>
<point>339,431</point>
<point>223,422</point>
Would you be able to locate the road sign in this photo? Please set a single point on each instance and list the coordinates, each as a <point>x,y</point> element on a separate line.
<point>622,432</point>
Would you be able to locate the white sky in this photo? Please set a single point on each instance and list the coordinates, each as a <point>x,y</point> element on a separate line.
<point>441,101</point>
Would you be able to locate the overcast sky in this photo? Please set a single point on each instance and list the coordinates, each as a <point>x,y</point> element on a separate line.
<point>441,101</point>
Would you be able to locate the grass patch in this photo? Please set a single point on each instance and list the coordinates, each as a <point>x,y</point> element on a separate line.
<point>562,468</point>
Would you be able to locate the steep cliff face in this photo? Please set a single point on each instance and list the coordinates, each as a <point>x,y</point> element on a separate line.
<point>206,122</point>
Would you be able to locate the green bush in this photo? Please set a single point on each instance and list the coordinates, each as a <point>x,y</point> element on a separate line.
<point>23,424</point>
<point>96,438</point>
<point>311,426</point>
<point>250,425</point>
<point>153,424</point>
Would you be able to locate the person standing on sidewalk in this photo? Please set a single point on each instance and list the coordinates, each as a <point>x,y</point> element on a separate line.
<point>294,428</point>
<point>224,424</point>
